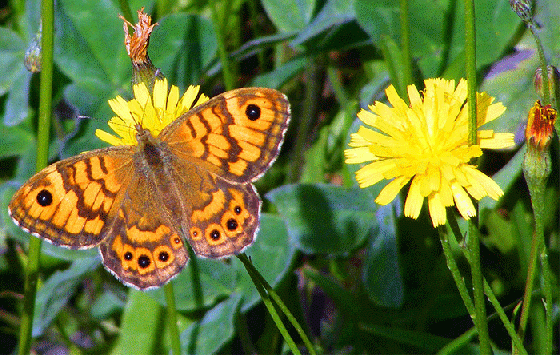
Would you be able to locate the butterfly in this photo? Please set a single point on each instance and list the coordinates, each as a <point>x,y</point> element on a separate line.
<point>140,203</point>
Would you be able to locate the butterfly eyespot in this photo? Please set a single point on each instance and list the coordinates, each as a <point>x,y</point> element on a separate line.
<point>128,255</point>
<point>177,241</point>
<point>253,112</point>
<point>215,234</point>
<point>44,198</point>
<point>163,256</point>
<point>237,210</point>
<point>144,261</point>
<point>231,224</point>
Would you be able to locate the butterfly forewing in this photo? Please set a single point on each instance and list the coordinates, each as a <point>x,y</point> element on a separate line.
<point>236,135</point>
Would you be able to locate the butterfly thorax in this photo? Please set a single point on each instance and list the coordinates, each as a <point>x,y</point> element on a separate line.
<point>153,162</point>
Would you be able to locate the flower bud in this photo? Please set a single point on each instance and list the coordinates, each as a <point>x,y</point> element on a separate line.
<point>523,9</point>
<point>540,125</point>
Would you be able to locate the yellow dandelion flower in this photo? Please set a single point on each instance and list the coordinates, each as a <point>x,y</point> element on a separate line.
<point>152,112</point>
<point>426,144</point>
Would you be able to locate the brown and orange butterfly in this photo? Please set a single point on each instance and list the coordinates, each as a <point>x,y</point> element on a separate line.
<point>140,203</point>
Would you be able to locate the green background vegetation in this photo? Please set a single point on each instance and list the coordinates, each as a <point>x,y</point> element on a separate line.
<point>359,277</point>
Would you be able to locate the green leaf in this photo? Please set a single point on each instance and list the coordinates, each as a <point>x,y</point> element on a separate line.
<point>182,47</point>
<point>141,326</point>
<point>214,330</point>
<point>93,59</point>
<point>16,109</point>
<point>381,275</point>
<point>289,15</point>
<point>106,305</point>
<point>12,50</point>
<point>332,15</point>
<point>437,30</point>
<point>57,290</point>
<point>325,219</point>
<point>275,79</point>
<point>271,255</point>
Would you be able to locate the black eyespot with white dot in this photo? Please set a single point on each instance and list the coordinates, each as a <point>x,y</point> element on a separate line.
<point>215,234</point>
<point>237,210</point>
<point>253,112</point>
<point>44,198</point>
<point>163,256</point>
<point>144,261</point>
<point>231,224</point>
<point>128,256</point>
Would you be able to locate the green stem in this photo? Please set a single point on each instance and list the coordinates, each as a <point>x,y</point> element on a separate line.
<point>195,275</point>
<point>45,109</point>
<point>266,292</point>
<point>544,66</point>
<point>312,92</point>
<point>478,290</point>
<point>172,319</point>
<point>548,301</point>
<point>517,342</point>
<point>452,265</point>
<point>473,241</point>
<point>458,343</point>
<point>405,43</point>
<point>219,26</point>
<point>528,293</point>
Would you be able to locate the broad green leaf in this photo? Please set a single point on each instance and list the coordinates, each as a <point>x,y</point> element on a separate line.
<point>106,305</point>
<point>94,60</point>
<point>12,50</point>
<point>290,15</point>
<point>141,326</point>
<point>437,30</point>
<point>57,290</point>
<point>16,109</point>
<point>214,330</point>
<point>182,47</point>
<point>334,13</point>
<point>381,275</point>
<point>325,219</point>
<point>275,79</point>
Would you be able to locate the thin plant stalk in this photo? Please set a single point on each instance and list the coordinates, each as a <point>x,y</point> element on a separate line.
<point>172,319</point>
<point>405,43</point>
<point>481,321</point>
<point>45,108</point>
<point>219,26</point>
<point>267,294</point>
<point>517,342</point>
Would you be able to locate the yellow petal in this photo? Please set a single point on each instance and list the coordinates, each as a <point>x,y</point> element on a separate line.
<point>358,155</point>
<point>437,210</point>
<point>498,141</point>
<point>414,201</point>
<point>160,94</point>
<point>107,137</point>
<point>463,202</point>
<point>391,190</point>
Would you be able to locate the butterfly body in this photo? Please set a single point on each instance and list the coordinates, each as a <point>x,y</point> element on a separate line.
<point>140,203</point>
